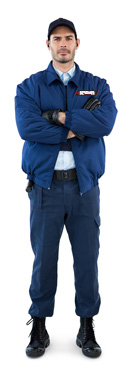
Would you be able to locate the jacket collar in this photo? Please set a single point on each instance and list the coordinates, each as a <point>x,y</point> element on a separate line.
<point>52,75</point>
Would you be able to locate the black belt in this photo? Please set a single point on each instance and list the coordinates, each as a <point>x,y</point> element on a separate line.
<point>68,174</point>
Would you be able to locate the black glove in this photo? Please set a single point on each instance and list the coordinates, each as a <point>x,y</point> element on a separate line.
<point>92,103</point>
<point>52,116</point>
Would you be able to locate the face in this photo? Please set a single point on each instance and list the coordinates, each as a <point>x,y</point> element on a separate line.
<point>63,44</point>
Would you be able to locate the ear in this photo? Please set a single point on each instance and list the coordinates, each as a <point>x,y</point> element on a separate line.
<point>77,43</point>
<point>48,43</point>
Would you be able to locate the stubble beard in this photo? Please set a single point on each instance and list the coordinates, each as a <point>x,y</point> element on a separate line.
<point>63,60</point>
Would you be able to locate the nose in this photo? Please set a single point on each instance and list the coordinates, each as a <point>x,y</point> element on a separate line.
<point>63,43</point>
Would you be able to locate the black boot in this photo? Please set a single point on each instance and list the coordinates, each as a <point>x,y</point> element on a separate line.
<point>86,338</point>
<point>39,337</point>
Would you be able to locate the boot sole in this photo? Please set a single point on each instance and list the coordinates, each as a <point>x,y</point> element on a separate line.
<point>87,354</point>
<point>35,354</point>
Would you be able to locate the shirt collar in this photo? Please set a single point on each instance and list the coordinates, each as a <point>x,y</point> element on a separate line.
<point>51,75</point>
<point>71,71</point>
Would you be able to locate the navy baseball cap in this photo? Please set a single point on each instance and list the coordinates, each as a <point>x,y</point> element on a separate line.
<point>61,22</point>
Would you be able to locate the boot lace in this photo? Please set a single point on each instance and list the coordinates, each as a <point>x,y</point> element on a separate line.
<point>87,328</point>
<point>37,332</point>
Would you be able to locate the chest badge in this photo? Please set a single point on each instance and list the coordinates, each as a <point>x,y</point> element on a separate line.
<point>86,92</point>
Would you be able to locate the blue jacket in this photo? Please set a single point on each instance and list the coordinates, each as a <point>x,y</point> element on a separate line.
<point>45,90</point>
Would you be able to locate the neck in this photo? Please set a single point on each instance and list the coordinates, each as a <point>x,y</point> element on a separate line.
<point>64,67</point>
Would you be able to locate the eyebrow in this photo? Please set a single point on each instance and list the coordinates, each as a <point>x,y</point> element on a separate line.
<point>59,36</point>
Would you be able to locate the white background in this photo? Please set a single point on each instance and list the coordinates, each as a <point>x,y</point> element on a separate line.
<point>106,33</point>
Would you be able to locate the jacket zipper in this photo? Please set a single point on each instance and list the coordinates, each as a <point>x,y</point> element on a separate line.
<point>56,157</point>
<point>66,110</point>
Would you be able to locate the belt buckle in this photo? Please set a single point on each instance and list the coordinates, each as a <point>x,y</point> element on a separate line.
<point>65,175</point>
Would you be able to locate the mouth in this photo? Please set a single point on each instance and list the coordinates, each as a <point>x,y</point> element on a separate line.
<point>62,52</point>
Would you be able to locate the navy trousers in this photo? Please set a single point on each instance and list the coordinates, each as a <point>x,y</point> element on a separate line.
<point>50,210</point>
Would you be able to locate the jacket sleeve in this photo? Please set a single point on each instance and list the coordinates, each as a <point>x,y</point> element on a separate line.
<point>96,123</point>
<point>30,123</point>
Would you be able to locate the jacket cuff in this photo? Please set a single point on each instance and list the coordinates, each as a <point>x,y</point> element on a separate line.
<point>64,134</point>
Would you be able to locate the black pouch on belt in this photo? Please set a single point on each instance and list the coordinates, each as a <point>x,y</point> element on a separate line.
<point>29,186</point>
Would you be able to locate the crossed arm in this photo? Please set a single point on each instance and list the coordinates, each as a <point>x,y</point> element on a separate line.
<point>58,117</point>
<point>32,126</point>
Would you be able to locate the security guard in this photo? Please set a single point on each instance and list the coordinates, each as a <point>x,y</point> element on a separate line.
<point>63,113</point>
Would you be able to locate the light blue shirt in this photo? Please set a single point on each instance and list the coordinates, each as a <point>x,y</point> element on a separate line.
<point>65,159</point>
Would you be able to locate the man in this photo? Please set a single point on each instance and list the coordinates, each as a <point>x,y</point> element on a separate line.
<point>63,113</point>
